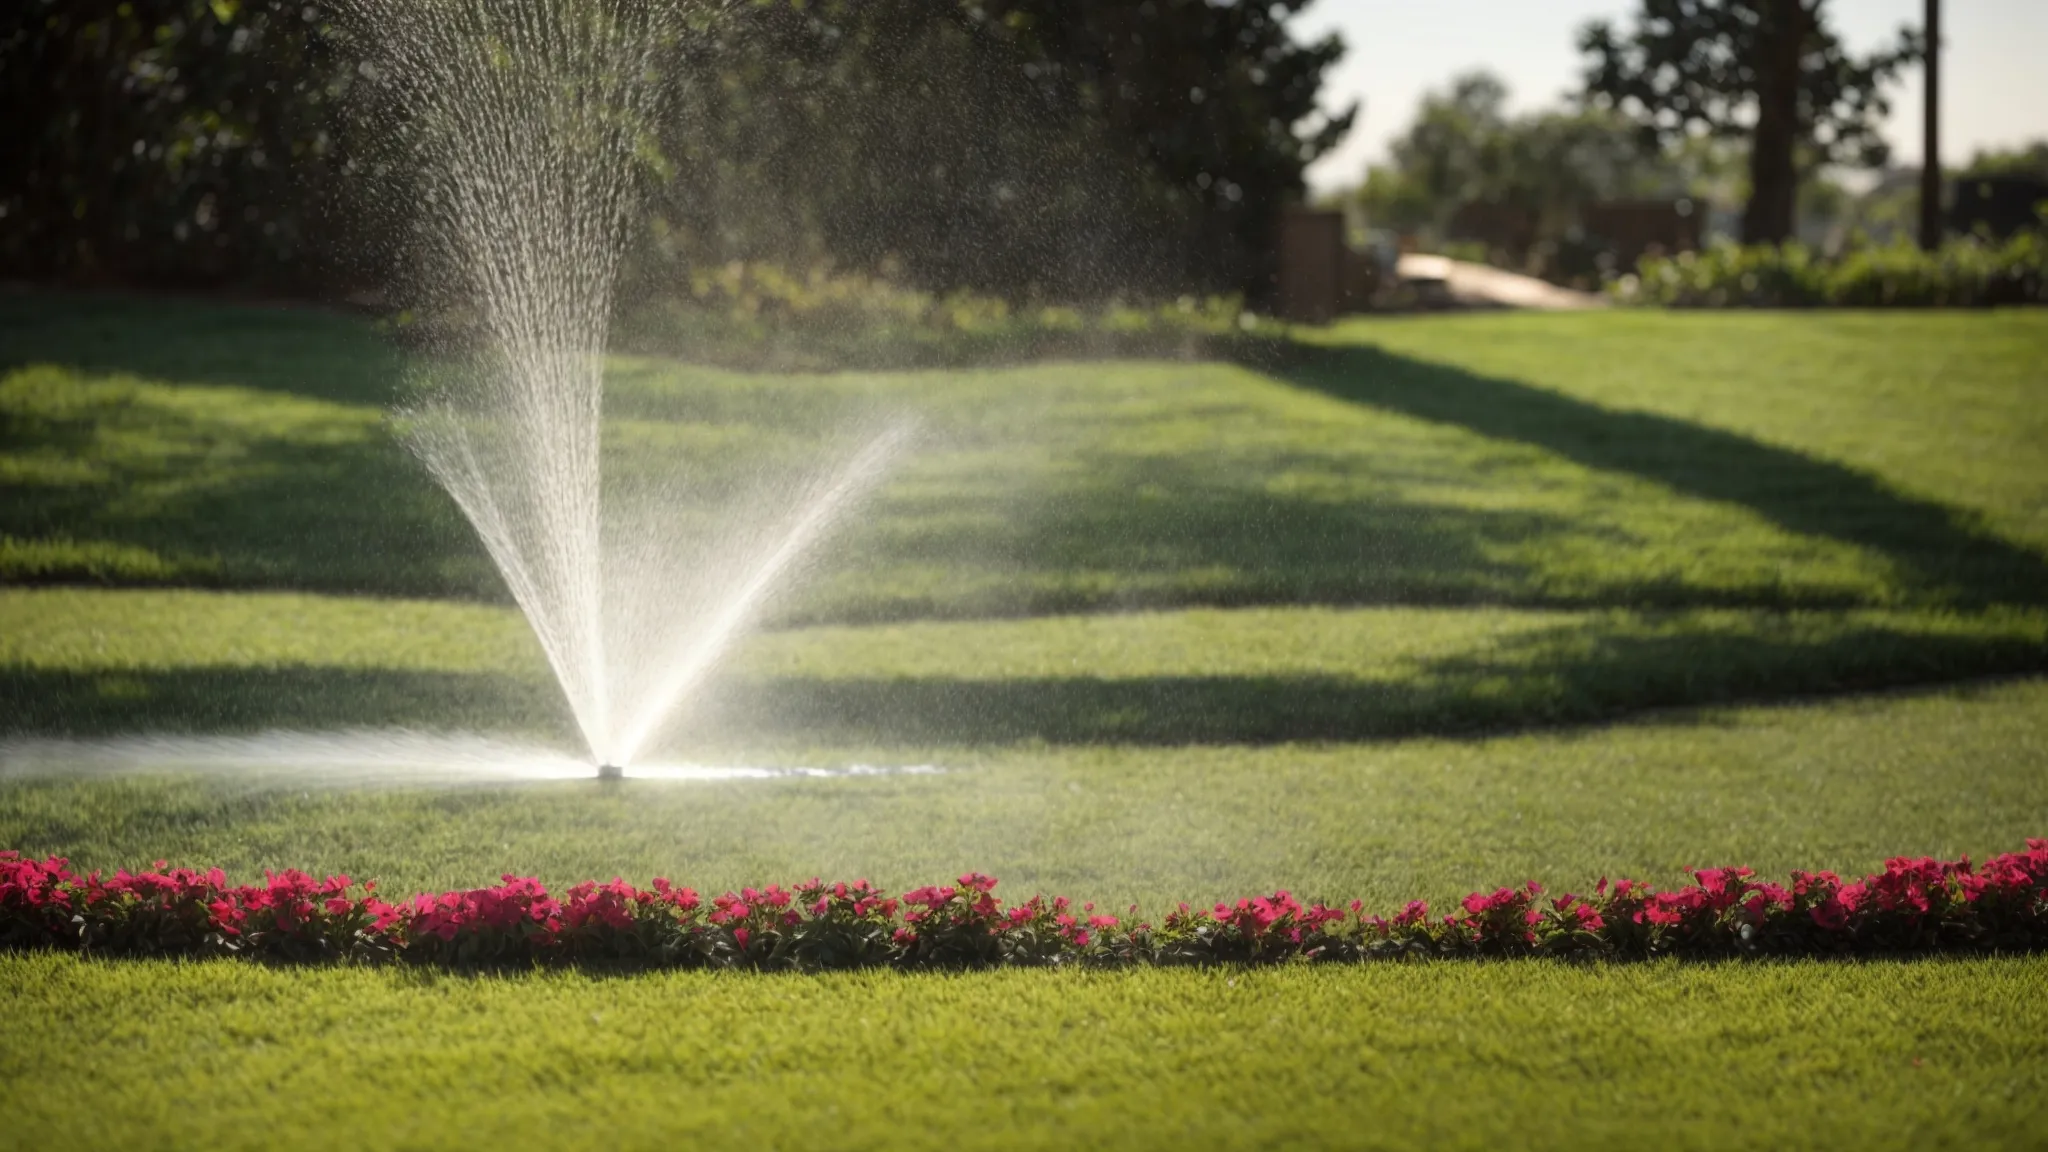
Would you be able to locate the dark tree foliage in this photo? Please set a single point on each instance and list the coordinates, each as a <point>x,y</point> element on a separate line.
<point>1769,70</point>
<point>166,142</point>
<point>891,135</point>
<point>1215,99</point>
<point>1464,148</point>
<point>1026,147</point>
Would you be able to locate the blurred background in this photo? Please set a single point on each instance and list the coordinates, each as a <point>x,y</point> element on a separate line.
<point>968,175</point>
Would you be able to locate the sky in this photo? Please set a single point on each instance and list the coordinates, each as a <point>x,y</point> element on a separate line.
<point>1994,94</point>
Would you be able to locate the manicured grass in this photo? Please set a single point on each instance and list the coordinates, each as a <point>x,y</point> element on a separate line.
<point>1475,522</point>
<point>1874,1055</point>
<point>1428,463</point>
<point>1176,631</point>
<point>1836,785</point>
<point>1947,406</point>
<point>1939,1054</point>
<point>87,661</point>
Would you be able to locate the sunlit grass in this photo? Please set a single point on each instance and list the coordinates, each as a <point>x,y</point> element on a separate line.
<point>90,662</point>
<point>1382,621</point>
<point>1944,405</point>
<point>1872,1056</point>
<point>1840,785</point>
<point>1622,460</point>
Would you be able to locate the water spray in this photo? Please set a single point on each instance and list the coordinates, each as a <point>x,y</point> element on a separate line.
<point>524,120</point>
<point>361,758</point>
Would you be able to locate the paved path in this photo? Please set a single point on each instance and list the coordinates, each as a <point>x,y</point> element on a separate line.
<point>1481,284</point>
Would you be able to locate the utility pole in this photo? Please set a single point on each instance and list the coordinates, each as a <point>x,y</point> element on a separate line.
<point>1930,140</point>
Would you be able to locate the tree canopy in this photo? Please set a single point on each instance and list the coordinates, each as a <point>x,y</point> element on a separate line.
<point>1465,149</point>
<point>1059,147</point>
<point>1773,72</point>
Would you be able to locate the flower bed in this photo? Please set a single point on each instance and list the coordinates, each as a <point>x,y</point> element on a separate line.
<point>1915,905</point>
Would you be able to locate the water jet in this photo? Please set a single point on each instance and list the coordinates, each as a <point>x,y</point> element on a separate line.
<point>522,123</point>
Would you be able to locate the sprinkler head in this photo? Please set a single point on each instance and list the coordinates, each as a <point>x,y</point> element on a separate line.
<point>610,772</point>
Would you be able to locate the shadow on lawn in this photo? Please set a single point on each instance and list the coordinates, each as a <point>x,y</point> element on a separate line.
<point>159,491</point>
<point>335,505</point>
<point>299,351</point>
<point>347,515</point>
<point>1941,555</point>
<point>1116,525</point>
<point>1128,531</point>
<point>1567,675</point>
<point>1570,674</point>
<point>225,700</point>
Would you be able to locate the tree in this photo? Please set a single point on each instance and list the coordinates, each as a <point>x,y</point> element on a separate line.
<point>1464,148</point>
<point>1217,100</point>
<point>1058,148</point>
<point>1035,119</point>
<point>1769,70</point>
<point>1449,154</point>
<point>2030,159</point>
<point>166,142</point>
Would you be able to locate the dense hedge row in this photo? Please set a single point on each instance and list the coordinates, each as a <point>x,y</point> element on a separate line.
<point>1913,906</point>
<point>1964,273</point>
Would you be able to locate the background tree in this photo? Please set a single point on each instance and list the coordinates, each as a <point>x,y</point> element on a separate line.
<point>1217,102</point>
<point>1450,154</point>
<point>1464,148</point>
<point>1769,70</point>
<point>2029,159</point>
<point>167,142</point>
<point>1031,148</point>
<point>1016,147</point>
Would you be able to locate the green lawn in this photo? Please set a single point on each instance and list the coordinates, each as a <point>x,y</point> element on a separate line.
<point>1839,785</point>
<point>1431,605</point>
<point>1478,522</point>
<point>87,662</point>
<point>1634,460</point>
<point>1873,1056</point>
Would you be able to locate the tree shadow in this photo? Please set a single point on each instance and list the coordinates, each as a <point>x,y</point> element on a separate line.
<point>1121,532</point>
<point>1571,674</point>
<point>211,700</point>
<point>1111,526</point>
<point>328,513</point>
<point>1577,673</point>
<point>297,351</point>
<point>1939,552</point>
<point>161,493</point>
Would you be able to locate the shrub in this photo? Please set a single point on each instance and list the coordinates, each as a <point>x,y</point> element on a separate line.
<point>763,316</point>
<point>1966,273</point>
<point>1915,905</point>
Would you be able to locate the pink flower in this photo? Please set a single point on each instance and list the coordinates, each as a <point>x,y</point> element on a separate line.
<point>1577,915</point>
<point>1830,914</point>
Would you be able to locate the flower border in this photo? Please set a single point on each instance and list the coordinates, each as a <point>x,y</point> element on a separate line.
<point>1916,905</point>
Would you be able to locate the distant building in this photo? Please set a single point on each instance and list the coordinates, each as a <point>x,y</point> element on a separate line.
<point>1320,275</point>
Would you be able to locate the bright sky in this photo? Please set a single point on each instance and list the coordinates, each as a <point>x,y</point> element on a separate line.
<point>1993,92</point>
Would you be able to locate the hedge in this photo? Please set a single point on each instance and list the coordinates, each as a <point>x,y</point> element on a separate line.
<point>1964,273</point>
